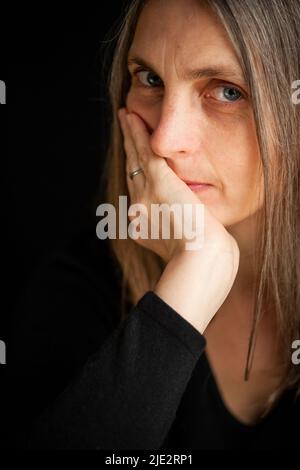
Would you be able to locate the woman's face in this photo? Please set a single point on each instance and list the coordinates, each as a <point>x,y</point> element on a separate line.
<point>188,87</point>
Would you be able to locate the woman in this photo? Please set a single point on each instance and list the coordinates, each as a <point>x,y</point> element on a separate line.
<point>226,125</point>
<point>203,358</point>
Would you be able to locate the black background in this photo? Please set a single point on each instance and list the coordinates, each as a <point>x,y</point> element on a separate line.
<point>54,130</point>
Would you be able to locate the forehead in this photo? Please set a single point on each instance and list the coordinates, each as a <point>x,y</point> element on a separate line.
<point>178,31</point>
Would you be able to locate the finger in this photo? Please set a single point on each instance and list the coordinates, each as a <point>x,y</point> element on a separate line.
<point>131,153</point>
<point>137,183</point>
<point>153,164</point>
<point>140,137</point>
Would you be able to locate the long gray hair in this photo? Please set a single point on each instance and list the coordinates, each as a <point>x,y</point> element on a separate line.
<point>266,37</point>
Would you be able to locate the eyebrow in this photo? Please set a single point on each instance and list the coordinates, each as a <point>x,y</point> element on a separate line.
<point>196,74</point>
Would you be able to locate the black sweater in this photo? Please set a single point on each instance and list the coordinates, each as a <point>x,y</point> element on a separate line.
<point>81,379</point>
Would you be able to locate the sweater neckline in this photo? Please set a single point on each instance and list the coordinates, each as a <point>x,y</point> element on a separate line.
<point>228,414</point>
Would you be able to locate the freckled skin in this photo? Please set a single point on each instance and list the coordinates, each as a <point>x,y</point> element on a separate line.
<point>202,134</point>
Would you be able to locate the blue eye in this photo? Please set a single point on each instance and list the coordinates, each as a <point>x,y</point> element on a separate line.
<point>224,93</point>
<point>149,79</point>
<point>229,93</point>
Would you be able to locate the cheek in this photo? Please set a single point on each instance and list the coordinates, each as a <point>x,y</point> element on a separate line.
<point>131,101</point>
<point>238,163</point>
<point>133,105</point>
<point>148,111</point>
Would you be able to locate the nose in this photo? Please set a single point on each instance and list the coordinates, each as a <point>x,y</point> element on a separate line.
<point>178,130</point>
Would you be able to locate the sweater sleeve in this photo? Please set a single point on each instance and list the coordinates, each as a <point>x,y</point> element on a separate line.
<point>127,393</point>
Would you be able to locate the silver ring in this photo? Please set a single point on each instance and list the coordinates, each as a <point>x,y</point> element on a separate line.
<point>132,174</point>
